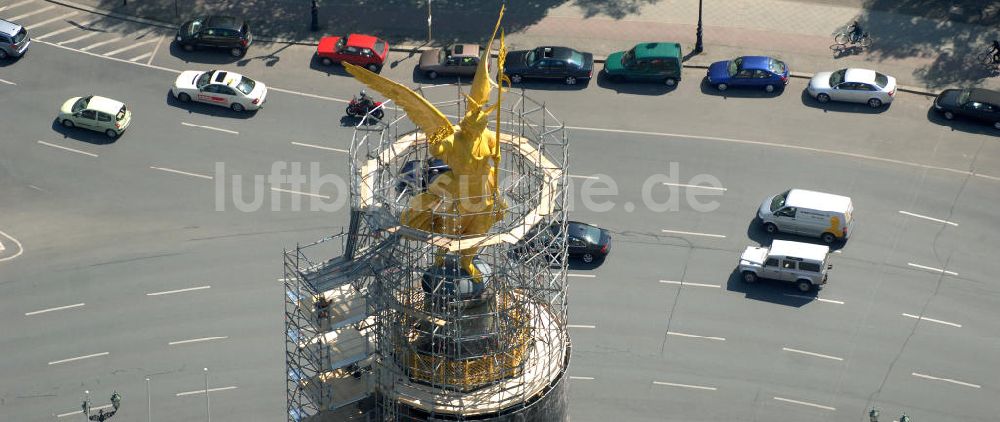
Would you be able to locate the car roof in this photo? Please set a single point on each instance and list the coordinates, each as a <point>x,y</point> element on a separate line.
<point>755,62</point>
<point>808,251</point>
<point>227,78</point>
<point>9,28</point>
<point>657,50</point>
<point>982,95</point>
<point>224,22</point>
<point>361,41</point>
<point>104,104</point>
<point>465,50</point>
<point>561,53</point>
<point>859,75</point>
<point>817,200</point>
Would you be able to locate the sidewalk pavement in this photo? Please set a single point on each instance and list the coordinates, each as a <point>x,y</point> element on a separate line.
<point>925,54</point>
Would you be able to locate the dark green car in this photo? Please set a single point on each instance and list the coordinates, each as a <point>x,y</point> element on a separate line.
<point>649,61</point>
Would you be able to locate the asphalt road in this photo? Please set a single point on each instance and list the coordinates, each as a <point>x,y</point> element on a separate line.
<point>158,277</point>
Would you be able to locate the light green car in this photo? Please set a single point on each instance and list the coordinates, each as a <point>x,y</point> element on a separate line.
<point>96,113</point>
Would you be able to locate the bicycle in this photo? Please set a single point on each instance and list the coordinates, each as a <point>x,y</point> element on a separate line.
<point>844,39</point>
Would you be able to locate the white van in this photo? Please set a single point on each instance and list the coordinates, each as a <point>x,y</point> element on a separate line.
<point>808,213</point>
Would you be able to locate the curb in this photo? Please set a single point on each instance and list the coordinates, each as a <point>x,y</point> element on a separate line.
<point>409,49</point>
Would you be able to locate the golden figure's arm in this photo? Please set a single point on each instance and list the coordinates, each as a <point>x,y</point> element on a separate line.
<point>434,124</point>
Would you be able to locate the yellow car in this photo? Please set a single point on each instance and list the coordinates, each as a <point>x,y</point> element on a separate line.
<point>96,113</point>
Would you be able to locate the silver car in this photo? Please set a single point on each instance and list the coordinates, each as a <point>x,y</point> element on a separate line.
<point>14,39</point>
<point>854,86</point>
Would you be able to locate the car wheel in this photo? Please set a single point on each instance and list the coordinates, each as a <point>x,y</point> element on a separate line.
<point>770,228</point>
<point>111,133</point>
<point>432,75</point>
<point>617,78</point>
<point>3,55</point>
<point>237,107</point>
<point>187,47</point>
<point>996,125</point>
<point>182,97</point>
<point>721,87</point>
<point>823,98</point>
<point>515,79</point>
<point>587,257</point>
<point>875,103</point>
<point>804,286</point>
<point>374,67</point>
<point>828,238</point>
<point>237,52</point>
<point>570,80</point>
<point>670,82</point>
<point>769,88</point>
<point>749,277</point>
<point>326,61</point>
<point>949,115</point>
<point>68,123</point>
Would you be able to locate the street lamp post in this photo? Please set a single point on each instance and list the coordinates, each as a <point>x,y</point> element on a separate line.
<point>149,403</point>
<point>208,404</point>
<point>429,21</point>
<point>698,45</point>
<point>873,415</point>
<point>314,26</point>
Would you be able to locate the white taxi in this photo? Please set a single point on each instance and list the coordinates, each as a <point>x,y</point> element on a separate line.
<point>219,87</point>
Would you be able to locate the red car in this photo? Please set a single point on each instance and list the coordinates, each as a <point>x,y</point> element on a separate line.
<point>356,49</point>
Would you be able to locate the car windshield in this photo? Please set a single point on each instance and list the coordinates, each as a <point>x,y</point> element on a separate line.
<point>591,233</point>
<point>734,66</point>
<point>628,57</point>
<point>530,57</point>
<point>881,80</point>
<point>195,27</point>
<point>963,96</point>
<point>379,47</point>
<point>776,66</point>
<point>837,77</point>
<point>21,35</point>
<point>204,79</point>
<point>81,104</point>
<point>121,114</point>
<point>576,58</point>
<point>246,85</point>
<point>778,201</point>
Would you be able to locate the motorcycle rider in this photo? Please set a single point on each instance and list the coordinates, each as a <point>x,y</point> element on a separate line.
<point>365,102</point>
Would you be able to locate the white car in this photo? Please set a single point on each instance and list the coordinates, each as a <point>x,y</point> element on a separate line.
<point>219,87</point>
<point>853,85</point>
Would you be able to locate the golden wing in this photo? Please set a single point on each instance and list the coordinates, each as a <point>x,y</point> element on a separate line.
<point>434,124</point>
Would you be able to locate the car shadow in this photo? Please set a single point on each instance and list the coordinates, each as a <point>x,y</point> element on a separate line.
<point>421,78</point>
<point>537,84</point>
<point>209,109</point>
<point>632,88</point>
<point>334,69</point>
<point>578,264</point>
<point>738,92</point>
<point>83,135</point>
<point>962,124</point>
<point>206,56</point>
<point>841,107</point>
<point>777,292</point>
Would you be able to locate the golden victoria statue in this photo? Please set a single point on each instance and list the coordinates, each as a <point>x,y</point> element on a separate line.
<point>465,201</point>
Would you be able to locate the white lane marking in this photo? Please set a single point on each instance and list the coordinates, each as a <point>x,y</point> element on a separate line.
<point>210,128</point>
<point>7,82</point>
<point>580,378</point>
<point>674,333</point>
<point>2,247</point>
<point>35,26</point>
<point>66,29</point>
<point>37,188</point>
<point>837,302</point>
<point>805,403</point>
<point>181,172</point>
<point>315,195</point>
<point>937,220</point>
<point>318,97</point>
<point>129,47</point>
<point>320,147</point>
<point>694,233</point>
<point>58,308</point>
<point>81,37</point>
<point>933,320</point>
<point>78,412</point>
<point>577,176</point>
<point>686,283</point>
<point>155,49</point>
<point>150,66</point>
<point>67,149</point>
<point>967,384</point>
<point>141,56</point>
<point>580,275</point>
<point>210,390</point>
<point>170,292</point>
<point>98,44</point>
<point>696,387</point>
<point>196,340</point>
<point>695,186</point>
<point>819,355</point>
<point>56,362</point>
<point>11,6</point>
<point>993,178</point>
<point>19,17</point>
<point>580,326</point>
<point>937,270</point>
<point>20,250</point>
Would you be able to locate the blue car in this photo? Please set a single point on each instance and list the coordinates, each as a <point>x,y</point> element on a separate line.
<point>753,71</point>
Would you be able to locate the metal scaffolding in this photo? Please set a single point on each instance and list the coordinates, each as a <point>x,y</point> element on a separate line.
<point>438,343</point>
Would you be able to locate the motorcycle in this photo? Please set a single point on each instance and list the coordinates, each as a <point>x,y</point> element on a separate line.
<point>361,108</point>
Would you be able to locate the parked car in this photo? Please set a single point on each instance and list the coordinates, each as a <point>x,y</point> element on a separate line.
<point>854,86</point>
<point>975,103</point>
<point>357,49</point>
<point>220,87</point>
<point>648,61</point>
<point>808,213</point>
<point>96,113</point>
<point>214,31</point>
<point>417,174</point>
<point>14,40</point>
<point>749,71</point>
<point>552,63</point>
<point>584,241</point>
<point>458,59</point>
<point>804,264</point>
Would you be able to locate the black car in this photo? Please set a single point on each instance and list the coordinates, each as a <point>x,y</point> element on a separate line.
<point>584,241</point>
<point>977,103</point>
<point>217,32</point>
<point>417,174</point>
<point>559,63</point>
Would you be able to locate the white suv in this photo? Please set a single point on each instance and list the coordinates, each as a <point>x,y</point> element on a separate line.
<point>804,264</point>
